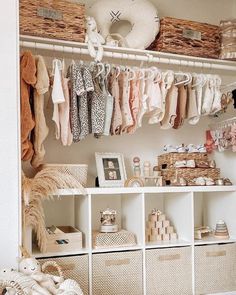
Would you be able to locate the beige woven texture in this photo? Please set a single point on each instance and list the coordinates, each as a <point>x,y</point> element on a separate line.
<point>80,172</point>
<point>228,39</point>
<point>169,159</point>
<point>117,273</point>
<point>169,271</point>
<point>171,39</point>
<point>122,238</point>
<point>73,267</point>
<point>71,27</point>
<point>215,268</point>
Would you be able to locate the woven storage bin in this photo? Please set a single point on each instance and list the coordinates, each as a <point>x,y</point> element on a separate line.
<point>60,19</point>
<point>117,273</point>
<point>79,171</point>
<point>73,267</point>
<point>188,38</point>
<point>215,268</point>
<point>122,238</point>
<point>169,271</point>
<point>168,160</point>
<point>72,235</point>
<point>190,173</point>
<point>228,39</point>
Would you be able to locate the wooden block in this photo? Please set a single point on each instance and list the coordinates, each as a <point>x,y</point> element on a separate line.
<point>153,238</point>
<point>165,223</point>
<point>162,231</point>
<point>151,224</point>
<point>166,237</point>
<point>152,217</point>
<point>154,231</point>
<point>173,236</point>
<point>159,237</point>
<point>170,230</point>
<point>158,224</point>
<point>161,217</point>
<point>148,231</point>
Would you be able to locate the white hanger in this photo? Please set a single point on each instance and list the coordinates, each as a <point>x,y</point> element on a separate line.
<point>180,74</point>
<point>102,68</point>
<point>108,70</point>
<point>230,86</point>
<point>158,74</point>
<point>133,72</point>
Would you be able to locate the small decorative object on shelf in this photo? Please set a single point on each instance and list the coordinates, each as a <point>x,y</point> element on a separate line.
<point>108,221</point>
<point>147,169</point>
<point>145,25</point>
<point>159,228</point>
<point>221,231</point>
<point>202,232</point>
<point>136,165</point>
<point>134,182</point>
<point>122,238</point>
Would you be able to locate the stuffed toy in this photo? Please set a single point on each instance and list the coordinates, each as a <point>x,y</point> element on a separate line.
<point>70,287</point>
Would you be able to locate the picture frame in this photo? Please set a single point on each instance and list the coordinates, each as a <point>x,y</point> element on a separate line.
<point>111,169</point>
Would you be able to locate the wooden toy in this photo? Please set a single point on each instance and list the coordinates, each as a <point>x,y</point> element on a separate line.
<point>202,232</point>
<point>165,223</point>
<point>221,231</point>
<point>136,167</point>
<point>147,169</point>
<point>166,237</point>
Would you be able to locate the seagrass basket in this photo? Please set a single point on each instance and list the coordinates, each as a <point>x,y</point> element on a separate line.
<point>215,268</point>
<point>73,267</point>
<point>167,160</point>
<point>187,37</point>
<point>118,273</point>
<point>5,284</point>
<point>79,171</point>
<point>54,19</point>
<point>169,271</point>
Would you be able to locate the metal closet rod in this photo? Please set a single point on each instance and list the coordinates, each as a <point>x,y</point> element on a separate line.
<point>139,56</point>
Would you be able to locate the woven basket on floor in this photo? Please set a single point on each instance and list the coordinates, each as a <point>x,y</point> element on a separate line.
<point>60,19</point>
<point>167,160</point>
<point>118,273</point>
<point>169,271</point>
<point>79,171</point>
<point>17,288</point>
<point>73,267</point>
<point>190,173</point>
<point>215,268</point>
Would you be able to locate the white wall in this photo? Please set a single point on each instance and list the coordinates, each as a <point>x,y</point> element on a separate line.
<point>9,147</point>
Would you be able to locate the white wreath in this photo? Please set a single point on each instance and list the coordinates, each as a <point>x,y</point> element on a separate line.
<point>142,15</point>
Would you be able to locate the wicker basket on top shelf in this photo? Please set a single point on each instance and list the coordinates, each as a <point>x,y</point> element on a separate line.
<point>61,19</point>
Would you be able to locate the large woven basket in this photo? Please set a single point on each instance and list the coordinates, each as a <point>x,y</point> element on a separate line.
<point>166,161</point>
<point>187,37</point>
<point>17,288</point>
<point>169,271</point>
<point>215,268</point>
<point>190,173</point>
<point>79,171</point>
<point>73,267</point>
<point>117,273</point>
<point>60,19</point>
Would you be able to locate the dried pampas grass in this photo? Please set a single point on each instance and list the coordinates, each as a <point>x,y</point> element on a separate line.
<point>43,186</point>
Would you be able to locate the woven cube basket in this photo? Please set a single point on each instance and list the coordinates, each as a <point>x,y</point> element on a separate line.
<point>118,273</point>
<point>73,267</point>
<point>215,268</point>
<point>169,271</point>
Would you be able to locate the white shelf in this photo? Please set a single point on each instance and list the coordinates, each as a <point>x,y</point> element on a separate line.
<point>167,244</point>
<point>128,54</point>
<point>37,254</point>
<point>147,190</point>
<point>110,249</point>
<point>213,240</point>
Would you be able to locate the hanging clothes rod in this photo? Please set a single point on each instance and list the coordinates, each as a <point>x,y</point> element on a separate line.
<point>127,54</point>
<point>223,124</point>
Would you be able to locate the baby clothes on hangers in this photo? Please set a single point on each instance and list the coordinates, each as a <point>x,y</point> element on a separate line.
<point>27,80</point>
<point>216,105</point>
<point>233,137</point>
<point>41,130</point>
<point>192,109</point>
<point>143,107</point>
<point>127,120</point>
<point>181,106</point>
<point>134,101</point>
<point>170,95</point>
<point>198,82</point>
<point>114,88</point>
<point>208,96</point>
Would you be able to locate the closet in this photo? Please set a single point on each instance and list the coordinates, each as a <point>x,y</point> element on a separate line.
<point>187,207</point>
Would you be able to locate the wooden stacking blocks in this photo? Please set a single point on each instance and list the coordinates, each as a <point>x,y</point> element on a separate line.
<point>158,228</point>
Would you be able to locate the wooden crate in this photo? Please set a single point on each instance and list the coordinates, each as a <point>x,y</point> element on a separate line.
<point>169,271</point>
<point>56,19</point>
<point>188,38</point>
<point>73,267</point>
<point>71,235</point>
<point>118,273</point>
<point>215,268</point>
<point>190,173</point>
<point>167,160</point>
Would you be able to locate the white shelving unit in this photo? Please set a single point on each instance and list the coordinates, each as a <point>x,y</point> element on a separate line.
<point>186,207</point>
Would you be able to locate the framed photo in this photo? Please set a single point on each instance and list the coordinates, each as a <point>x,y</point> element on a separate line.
<point>111,169</point>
